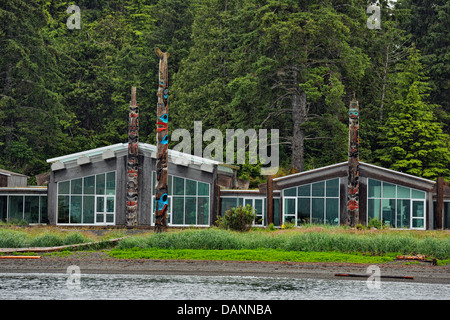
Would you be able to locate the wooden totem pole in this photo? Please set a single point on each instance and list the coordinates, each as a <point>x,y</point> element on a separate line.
<point>162,118</point>
<point>353,165</point>
<point>132,161</point>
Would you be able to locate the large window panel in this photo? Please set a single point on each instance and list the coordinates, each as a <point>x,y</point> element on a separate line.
<point>318,189</point>
<point>318,207</point>
<point>403,213</point>
<point>303,210</point>
<point>374,209</point>
<point>76,186</point>
<point>88,209</point>
<point>388,212</point>
<point>374,189</point>
<point>332,188</point>
<point>15,207</point>
<point>332,211</point>
<point>3,208</point>
<point>31,212</point>
<point>190,210</point>
<point>203,210</point>
<point>63,209</point>
<point>75,209</point>
<point>178,210</point>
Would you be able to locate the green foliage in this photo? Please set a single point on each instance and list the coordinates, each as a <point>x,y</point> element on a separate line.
<point>237,219</point>
<point>368,243</point>
<point>22,239</point>
<point>233,64</point>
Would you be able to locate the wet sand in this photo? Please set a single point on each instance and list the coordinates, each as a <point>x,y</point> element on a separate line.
<point>99,262</point>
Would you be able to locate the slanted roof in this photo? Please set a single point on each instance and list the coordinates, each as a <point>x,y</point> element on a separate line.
<point>121,149</point>
<point>341,170</point>
<point>10,173</point>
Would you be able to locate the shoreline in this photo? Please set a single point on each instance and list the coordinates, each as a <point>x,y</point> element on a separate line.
<point>100,263</point>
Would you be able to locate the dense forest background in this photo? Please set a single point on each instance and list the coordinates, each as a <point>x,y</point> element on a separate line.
<point>292,65</point>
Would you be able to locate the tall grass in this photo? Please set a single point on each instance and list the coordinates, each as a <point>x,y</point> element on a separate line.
<point>370,243</point>
<point>21,239</point>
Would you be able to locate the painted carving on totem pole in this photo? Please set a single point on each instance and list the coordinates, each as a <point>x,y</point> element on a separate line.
<point>353,165</point>
<point>161,193</point>
<point>132,160</point>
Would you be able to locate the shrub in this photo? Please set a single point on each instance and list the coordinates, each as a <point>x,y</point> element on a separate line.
<point>237,219</point>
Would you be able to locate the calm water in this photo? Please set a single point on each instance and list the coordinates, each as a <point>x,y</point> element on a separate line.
<point>134,287</point>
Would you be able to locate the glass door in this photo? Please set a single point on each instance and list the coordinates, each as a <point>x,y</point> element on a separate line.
<point>418,214</point>
<point>105,209</point>
<point>100,209</point>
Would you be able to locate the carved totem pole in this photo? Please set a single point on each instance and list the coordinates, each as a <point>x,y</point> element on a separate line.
<point>353,165</point>
<point>162,118</point>
<point>132,161</point>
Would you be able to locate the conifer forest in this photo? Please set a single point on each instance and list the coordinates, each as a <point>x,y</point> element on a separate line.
<point>291,65</point>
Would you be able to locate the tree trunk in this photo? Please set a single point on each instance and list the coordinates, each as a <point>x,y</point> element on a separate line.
<point>298,134</point>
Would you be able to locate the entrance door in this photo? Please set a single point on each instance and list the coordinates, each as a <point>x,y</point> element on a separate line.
<point>105,209</point>
<point>418,214</point>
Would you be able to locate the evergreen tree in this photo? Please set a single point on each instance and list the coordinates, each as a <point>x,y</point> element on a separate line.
<point>413,141</point>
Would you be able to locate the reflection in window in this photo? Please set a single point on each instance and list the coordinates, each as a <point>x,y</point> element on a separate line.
<point>87,200</point>
<point>315,203</point>
<point>396,206</point>
<point>188,201</point>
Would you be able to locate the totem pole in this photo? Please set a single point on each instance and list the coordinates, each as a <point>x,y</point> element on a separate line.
<point>353,165</point>
<point>132,161</point>
<point>162,118</point>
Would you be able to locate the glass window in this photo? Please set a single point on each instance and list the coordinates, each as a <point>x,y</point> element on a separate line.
<point>388,212</point>
<point>292,192</point>
<point>303,210</point>
<point>259,211</point>
<point>3,208</point>
<point>304,191</point>
<point>332,211</point>
<point>100,184</point>
<point>403,192</point>
<point>178,210</point>
<point>76,186</point>
<point>203,189</point>
<point>374,189</point>
<point>318,189</point>
<point>373,210</point>
<point>289,205</point>
<point>191,187</point>
<point>389,190</point>
<point>111,183</point>
<point>63,209</point>
<point>64,187</point>
<point>228,203</point>
<point>15,207</point>
<point>317,210</point>
<point>178,186</point>
<point>203,210</point>
<point>190,210</point>
<point>332,187</point>
<point>403,213</point>
<point>276,212</point>
<point>89,185</point>
<point>88,209</point>
<point>416,194</point>
<point>31,213</point>
<point>44,214</point>
<point>75,209</point>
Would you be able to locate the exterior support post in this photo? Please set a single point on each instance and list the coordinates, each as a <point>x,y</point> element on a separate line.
<point>439,203</point>
<point>353,165</point>
<point>132,161</point>
<point>162,119</point>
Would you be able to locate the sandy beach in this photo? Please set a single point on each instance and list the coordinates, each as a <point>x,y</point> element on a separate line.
<point>91,262</point>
